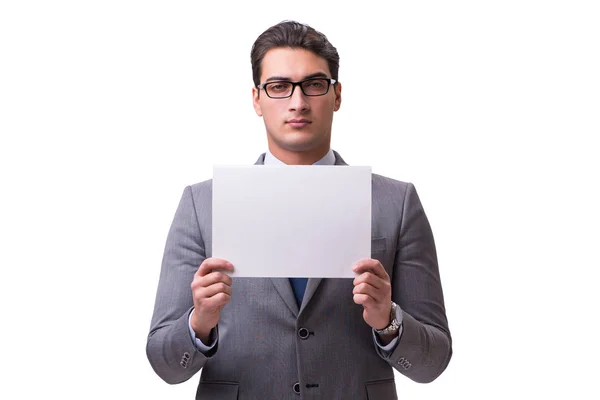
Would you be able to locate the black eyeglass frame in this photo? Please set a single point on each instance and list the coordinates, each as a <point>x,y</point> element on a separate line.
<point>330,82</point>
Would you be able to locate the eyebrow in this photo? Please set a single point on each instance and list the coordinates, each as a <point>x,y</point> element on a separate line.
<point>287,78</point>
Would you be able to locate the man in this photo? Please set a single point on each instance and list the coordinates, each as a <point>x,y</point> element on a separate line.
<point>262,338</point>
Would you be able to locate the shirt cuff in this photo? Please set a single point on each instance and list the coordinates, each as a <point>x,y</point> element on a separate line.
<point>213,338</point>
<point>391,345</point>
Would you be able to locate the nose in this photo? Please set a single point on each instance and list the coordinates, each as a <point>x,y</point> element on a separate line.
<point>298,101</point>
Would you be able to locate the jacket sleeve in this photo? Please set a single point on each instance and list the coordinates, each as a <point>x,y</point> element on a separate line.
<point>425,346</point>
<point>170,348</point>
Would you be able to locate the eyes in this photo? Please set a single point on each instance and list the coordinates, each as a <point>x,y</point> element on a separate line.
<point>279,87</point>
<point>317,84</point>
<point>311,84</point>
<point>310,87</point>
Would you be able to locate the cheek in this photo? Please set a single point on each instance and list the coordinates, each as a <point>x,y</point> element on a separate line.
<point>326,106</point>
<point>326,111</point>
<point>272,113</point>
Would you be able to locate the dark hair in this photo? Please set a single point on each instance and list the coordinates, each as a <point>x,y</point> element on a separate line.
<point>295,35</point>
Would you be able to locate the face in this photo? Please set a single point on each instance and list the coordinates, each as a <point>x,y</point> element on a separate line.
<point>299,123</point>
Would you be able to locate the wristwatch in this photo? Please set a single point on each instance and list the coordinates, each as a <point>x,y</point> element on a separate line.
<point>394,325</point>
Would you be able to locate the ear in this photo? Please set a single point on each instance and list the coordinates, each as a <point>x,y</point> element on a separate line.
<point>255,101</point>
<point>338,96</point>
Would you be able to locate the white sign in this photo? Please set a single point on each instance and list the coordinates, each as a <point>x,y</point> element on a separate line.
<point>292,220</point>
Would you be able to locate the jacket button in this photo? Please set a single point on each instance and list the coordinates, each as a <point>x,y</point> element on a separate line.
<point>297,387</point>
<point>303,333</point>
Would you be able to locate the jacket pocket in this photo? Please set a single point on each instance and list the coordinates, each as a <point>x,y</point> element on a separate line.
<point>217,390</point>
<point>382,390</point>
<point>378,245</point>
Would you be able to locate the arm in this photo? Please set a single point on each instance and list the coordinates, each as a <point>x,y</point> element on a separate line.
<point>170,348</point>
<point>425,347</point>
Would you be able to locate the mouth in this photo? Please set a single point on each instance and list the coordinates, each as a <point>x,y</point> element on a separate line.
<point>298,123</point>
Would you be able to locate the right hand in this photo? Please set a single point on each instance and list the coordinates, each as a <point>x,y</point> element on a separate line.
<point>211,290</point>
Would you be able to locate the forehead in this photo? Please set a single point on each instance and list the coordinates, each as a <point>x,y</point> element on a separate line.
<point>291,63</point>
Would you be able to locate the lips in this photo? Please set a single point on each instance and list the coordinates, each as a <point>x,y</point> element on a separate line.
<point>298,123</point>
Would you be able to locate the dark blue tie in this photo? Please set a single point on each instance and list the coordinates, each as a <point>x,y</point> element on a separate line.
<point>299,286</point>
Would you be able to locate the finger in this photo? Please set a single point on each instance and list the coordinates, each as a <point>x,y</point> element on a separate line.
<point>211,264</point>
<point>215,289</point>
<point>365,289</point>
<point>218,300</point>
<point>371,265</point>
<point>371,279</point>
<point>214,277</point>
<point>364,299</point>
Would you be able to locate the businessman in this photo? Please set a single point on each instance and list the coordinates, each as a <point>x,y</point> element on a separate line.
<point>267,338</point>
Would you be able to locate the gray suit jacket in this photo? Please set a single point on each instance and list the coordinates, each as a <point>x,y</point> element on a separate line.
<point>263,352</point>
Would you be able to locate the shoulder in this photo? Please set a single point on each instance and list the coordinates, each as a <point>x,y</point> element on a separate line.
<point>202,186</point>
<point>199,192</point>
<point>384,186</point>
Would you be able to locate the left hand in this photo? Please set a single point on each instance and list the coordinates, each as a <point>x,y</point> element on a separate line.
<point>372,289</point>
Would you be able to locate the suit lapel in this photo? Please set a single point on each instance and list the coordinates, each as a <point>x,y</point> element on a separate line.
<point>261,159</point>
<point>311,288</point>
<point>284,287</point>
<point>338,159</point>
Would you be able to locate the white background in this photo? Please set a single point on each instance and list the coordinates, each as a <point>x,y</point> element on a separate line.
<point>109,108</point>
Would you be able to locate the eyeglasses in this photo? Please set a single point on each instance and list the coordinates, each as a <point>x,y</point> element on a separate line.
<point>284,89</point>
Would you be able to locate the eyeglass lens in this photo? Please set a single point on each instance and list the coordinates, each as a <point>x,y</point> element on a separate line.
<point>311,87</point>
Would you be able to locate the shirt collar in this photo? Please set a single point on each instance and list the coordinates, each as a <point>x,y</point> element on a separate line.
<point>329,159</point>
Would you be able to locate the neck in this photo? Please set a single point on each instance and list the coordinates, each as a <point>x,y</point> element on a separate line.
<point>308,157</point>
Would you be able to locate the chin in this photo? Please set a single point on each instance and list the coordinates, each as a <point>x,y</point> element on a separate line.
<point>298,141</point>
<point>301,144</point>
